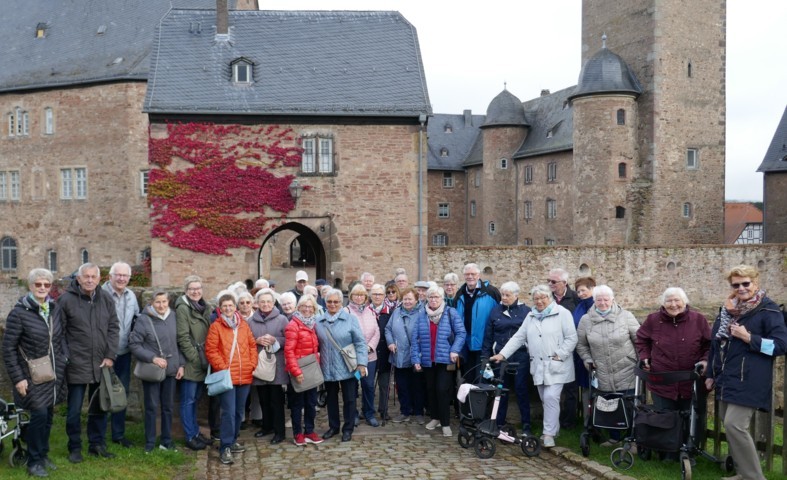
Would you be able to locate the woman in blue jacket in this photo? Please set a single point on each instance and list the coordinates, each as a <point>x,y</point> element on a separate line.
<point>748,333</point>
<point>437,340</point>
<point>398,332</point>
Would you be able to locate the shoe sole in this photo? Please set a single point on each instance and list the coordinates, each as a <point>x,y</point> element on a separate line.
<point>313,442</point>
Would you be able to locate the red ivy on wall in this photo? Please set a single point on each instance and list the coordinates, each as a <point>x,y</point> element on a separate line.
<point>228,195</point>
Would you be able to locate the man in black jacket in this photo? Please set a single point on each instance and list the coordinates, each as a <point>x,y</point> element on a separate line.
<point>91,327</point>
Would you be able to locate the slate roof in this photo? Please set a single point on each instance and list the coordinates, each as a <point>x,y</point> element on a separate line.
<point>605,73</point>
<point>305,63</point>
<point>458,143</point>
<point>505,110</point>
<point>736,216</point>
<point>548,112</point>
<point>776,157</point>
<point>72,52</point>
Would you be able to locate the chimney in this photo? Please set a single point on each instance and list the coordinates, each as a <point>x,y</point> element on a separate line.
<point>222,17</point>
<point>468,114</point>
<point>544,92</point>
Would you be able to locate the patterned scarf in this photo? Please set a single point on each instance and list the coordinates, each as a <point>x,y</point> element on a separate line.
<point>390,304</point>
<point>308,322</point>
<point>232,321</point>
<point>733,310</point>
<point>435,315</point>
<point>540,315</point>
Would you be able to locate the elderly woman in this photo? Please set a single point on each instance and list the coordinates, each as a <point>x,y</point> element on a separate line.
<point>548,333</point>
<point>382,311</point>
<point>337,328</point>
<point>438,337</point>
<point>267,326</point>
<point>398,333</point>
<point>301,341</point>
<point>192,315</point>
<point>367,317</point>
<point>504,321</point>
<point>230,345</point>
<point>288,302</point>
<point>33,331</point>
<point>748,333</point>
<point>450,285</point>
<point>606,336</point>
<point>154,340</point>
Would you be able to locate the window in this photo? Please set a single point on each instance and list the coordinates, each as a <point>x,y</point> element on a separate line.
<point>14,185</point>
<point>448,128</point>
<point>448,180</point>
<point>549,241</point>
<point>692,159</point>
<point>687,210</point>
<point>73,183</point>
<point>49,121</point>
<point>622,170</point>
<point>621,117</point>
<point>84,255</point>
<point>528,210</point>
<point>317,155</point>
<point>41,30</point>
<point>551,208</point>
<point>11,124</point>
<point>477,178</point>
<point>620,212</point>
<point>551,172</point>
<point>688,69</point>
<point>492,228</point>
<point>18,123</point>
<point>503,164</point>
<point>51,258</point>
<point>9,185</point>
<point>472,208</point>
<point>528,173</point>
<point>8,254</point>
<point>442,210</point>
<point>242,71</point>
<point>3,186</point>
<point>443,152</point>
<point>440,240</point>
<point>144,178</point>
<point>528,241</point>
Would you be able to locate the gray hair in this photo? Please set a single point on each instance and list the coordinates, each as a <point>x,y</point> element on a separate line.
<point>540,290</point>
<point>87,266</point>
<point>674,291</point>
<point>310,289</point>
<point>437,290</point>
<point>400,271</point>
<point>261,283</point>
<point>191,279</point>
<point>367,274</point>
<point>603,290</point>
<point>221,297</point>
<point>116,265</point>
<point>288,297</point>
<point>159,292</point>
<point>245,294</point>
<point>37,273</point>
<point>377,286</point>
<point>510,287</point>
<point>265,291</point>
<point>471,266</point>
<point>451,278</point>
<point>398,275</point>
<point>560,273</point>
<point>306,298</point>
<point>334,292</point>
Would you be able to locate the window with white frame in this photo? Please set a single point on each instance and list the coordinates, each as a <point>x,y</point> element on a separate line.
<point>73,183</point>
<point>51,258</point>
<point>144,178</point>
<point>242,71</point>
<point>448,179</point>
<point>10,185</point>
<point>439,240</point>
<point>528,173</point>
<point>472,208</point>
<point>692,159</point>
<point>528,241</point>
<point>8,254</point>
<point>552,172</point>
<point>551,208</point>
<point>15,184</point>
<point>492,228</point>
<point>11,124</point>
<point>477,178</point>
<point>443,210</point>
<point>528,209</point>
<point>503,163</point>
<point>317,156</point>
<point>49,121</point>
<point>687,210</point>
<point>3,186</point>
<point>549,241</point>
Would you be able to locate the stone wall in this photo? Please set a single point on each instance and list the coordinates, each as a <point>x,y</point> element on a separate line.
<point>454,225</point>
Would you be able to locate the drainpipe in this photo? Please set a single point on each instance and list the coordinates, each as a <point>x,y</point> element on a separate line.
<point>422,121</point>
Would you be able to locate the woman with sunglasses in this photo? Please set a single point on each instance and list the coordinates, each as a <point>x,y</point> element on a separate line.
<point>34,330</point>
<point>748,333</point>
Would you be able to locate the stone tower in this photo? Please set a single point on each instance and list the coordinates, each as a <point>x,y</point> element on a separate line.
<point>676,50</point>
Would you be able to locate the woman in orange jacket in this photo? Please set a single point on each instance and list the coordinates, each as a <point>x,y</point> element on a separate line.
<point>230,344</point>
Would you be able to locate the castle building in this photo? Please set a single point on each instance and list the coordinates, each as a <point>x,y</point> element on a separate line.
<point>774,169</point>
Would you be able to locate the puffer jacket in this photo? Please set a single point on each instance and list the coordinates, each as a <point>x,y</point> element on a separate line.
<point>218,346</point>
<point>673,344</point>
<point>608,342</point>
<point>26,329</point>
<point>273,324</point>
<point>743,373</point>
<point>450,338</point>
<point>299,342</point>
<point>192,327</point>
<point>503,323</point>
<point>142,341</point>
<point>371,331</point>
<point>399,331</point>
<point>345,330</point>
<point>91,327</point>
<point>486,298</point>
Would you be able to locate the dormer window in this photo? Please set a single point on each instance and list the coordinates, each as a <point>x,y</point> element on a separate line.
<point>242,71</point>
<point>443,152</point>
<point>448,128</point>
<point>41,30</point>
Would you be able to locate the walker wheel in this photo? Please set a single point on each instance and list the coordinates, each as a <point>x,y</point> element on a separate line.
<point>685,468</point>
<point>18,457</point>
<point>729,464</point>
<point>465,439</point>
<point>622,458</point>
<point>530,446</point>
<point>584,444</point>
<point>485,447</point>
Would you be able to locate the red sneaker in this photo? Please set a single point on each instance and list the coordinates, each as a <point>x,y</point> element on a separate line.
<point>300,440</point>
<point>313,438</point>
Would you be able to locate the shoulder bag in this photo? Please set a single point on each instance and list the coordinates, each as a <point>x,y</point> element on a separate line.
<point>221,381</point>
<point>41,370</point>
<point>266,365</point>
<point>312,375</point>
<point>111,393</point>
<point>149,371</point>
<point>348,352</point>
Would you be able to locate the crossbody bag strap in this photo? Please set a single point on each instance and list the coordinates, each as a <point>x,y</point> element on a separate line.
<point>234,343</point>
<point>160,351</point>
<point>327,329</point>
<point>49,352</point>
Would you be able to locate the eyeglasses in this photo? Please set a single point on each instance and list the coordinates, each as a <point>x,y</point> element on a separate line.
<point>194,289</point>
<point>333,301</point>
<point>434,297</point>
<point>377,294</point>
<point>449,284</point>
<point>42,284</point>
<point>553,282</point>
<point>739,285</point>
<point>245,302</point>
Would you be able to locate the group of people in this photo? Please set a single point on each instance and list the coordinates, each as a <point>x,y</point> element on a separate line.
<point>422,334</point>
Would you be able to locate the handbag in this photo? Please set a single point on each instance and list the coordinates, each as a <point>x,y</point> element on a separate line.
<point>149,371</point>
<point>348,352</point>
<point>221,381</point>
<point>266,365</point>
<point>111,393</point>
<point>41,370</point>
<point>312,374</point>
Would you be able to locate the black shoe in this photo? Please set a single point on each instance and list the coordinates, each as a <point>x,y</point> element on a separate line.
<point>237,448</point>
<point>37,470</point>
<point>357,420</point>
<point>206,440</point>
<point>371,421</point>
<point>257,423</point>
<point>48,464</point>
<point>100,451</point>
<point>262,433</point>
<point>347,436</point>
<point>226,456</point>
<point>330,433</point>
<point>195,444</point>
<point>75,456</point>
<point>124,442</point>
<point>277,439</point>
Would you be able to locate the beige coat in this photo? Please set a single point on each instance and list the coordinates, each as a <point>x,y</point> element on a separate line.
<point>608,342</point>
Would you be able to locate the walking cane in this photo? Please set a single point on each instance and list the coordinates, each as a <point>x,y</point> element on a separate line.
<point>391,384</point>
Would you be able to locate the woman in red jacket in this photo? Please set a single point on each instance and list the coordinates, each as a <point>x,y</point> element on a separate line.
<point>300,340</point>
<point>230,344</point>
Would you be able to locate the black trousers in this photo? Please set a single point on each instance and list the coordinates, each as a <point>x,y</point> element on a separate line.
<point>439,382</point>
<point>272,405</point>
<point>349,389</point>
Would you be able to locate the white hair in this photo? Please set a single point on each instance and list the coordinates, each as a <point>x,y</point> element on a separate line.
<point>603,290</point>
<point>510,287</point>
<point>261,283</point>
<point>674,291</point>
<point>560,273</point>
<point>287,297</point>
<point>540,290</point>
<point>264,291</point>
<point>116,265</point>
<point>471,266</point>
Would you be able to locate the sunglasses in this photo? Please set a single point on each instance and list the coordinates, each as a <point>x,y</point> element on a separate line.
<point>738,285</point>
<point>244,303</point>
<point>553,282</point>
<point>42,284</point>
<point>390,293</point>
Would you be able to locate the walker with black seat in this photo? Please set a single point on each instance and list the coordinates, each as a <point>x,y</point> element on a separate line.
<point>12,422</point>
<point>604,411</point>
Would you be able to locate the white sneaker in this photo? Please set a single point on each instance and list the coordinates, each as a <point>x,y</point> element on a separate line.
<point>432,424</point>
<point>447,432</point>
<point>549,441</point>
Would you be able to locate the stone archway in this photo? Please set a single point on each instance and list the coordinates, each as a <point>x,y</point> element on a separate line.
<point>288,248</point>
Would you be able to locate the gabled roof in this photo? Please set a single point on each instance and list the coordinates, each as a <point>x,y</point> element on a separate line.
<point>457,143</point>
<point>736,216</point>
<point>548,113</point>
<point>337,63</point>
<point>85,41</point>
<point>776,157</point>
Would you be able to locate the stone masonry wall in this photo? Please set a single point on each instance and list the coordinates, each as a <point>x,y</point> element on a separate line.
<point>454,225</point>
<point>539,228</point>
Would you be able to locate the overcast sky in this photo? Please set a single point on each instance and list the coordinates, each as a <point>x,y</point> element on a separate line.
<point>471,51</point>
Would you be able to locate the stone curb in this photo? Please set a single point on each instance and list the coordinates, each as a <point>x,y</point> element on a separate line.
<point>591,466</point>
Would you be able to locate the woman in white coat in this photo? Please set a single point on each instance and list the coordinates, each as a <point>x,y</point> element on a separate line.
<point>550,336</point>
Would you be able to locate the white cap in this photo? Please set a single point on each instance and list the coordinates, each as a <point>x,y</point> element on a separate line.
<point>301,275</point>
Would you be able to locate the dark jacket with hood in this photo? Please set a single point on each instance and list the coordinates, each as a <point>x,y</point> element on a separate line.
<point>26,329</point>
<point>503,323</point>
<point>91,327</point>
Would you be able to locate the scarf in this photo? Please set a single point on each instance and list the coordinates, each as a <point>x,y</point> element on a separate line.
<point>156,314</point>
<point>43,308</point>
<point>390,304</point>
<point>232,321</point>
<point>603,313</point>
<point>540,315</point>
<point>435,315</point>
<point>199,306</point>
<point>307,322</point>
<point>733,310</point>
<point>332,318</point>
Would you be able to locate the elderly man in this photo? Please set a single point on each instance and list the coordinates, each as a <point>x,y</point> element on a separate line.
<point>474,302</point>
<point>568,299</point>
<point>126,308</point>
<point>301,280</point>
<point>91,325</point>
<point>401,281</point>
<point>367,279</point>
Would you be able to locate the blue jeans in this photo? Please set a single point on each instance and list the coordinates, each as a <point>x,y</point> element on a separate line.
<point>96,419</point>
<point>190,393</point>
<point>37,435</point>
<point>159,395</point>
<point>233,402</point>
<point>123,371</point>
<point>367,391</point>
<point>303,407</point>
<point>349,394</point>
